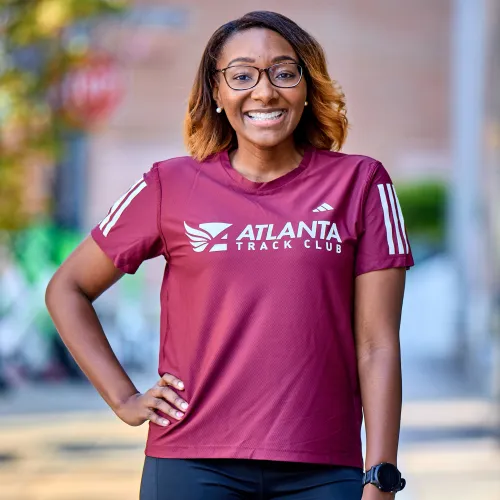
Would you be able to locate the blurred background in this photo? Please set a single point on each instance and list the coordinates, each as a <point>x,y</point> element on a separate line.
<point>92,92</point>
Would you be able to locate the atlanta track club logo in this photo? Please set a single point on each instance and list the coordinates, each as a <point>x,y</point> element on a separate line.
<point>318,234</point>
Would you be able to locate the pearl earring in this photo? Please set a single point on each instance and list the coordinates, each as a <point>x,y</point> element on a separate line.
<point>306,103</point>
<point>219,110</point>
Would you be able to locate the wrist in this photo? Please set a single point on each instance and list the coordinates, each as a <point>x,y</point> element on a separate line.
<point>118,403</point>
<point>384,477</point>
<point>380,458</point>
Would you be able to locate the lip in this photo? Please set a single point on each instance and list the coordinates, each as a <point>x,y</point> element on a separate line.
<point>265,123</point>
<point>264,110</point>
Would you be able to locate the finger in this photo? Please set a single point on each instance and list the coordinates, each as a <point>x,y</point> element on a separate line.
<point>160,404</point>
<point>169,379</point>
<point>171,396</point>
<point>156,419</point>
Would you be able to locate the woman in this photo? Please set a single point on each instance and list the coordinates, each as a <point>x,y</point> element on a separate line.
<point>282,293</point>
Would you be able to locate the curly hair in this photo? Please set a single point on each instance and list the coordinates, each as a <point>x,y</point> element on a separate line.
<point>324,122</point>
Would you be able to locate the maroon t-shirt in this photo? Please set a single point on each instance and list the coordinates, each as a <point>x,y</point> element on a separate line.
<point>257,298</point>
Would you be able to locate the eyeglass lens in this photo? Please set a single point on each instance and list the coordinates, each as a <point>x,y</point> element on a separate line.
<point>245,77</point>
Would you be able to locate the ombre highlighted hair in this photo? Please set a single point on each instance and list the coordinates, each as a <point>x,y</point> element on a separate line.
<point>323,123</point>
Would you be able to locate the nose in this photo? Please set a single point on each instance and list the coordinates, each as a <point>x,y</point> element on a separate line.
<point>264,91</point>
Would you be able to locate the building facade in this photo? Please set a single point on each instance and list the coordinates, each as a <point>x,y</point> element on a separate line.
<point>391,58</point>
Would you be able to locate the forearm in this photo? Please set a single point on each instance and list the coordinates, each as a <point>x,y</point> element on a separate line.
<point>80,329</point>
<point>380,380</point>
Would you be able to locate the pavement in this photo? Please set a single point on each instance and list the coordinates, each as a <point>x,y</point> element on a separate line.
<point>450,449</point>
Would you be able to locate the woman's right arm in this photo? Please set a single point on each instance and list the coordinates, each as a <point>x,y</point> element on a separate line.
<point>80,280</point>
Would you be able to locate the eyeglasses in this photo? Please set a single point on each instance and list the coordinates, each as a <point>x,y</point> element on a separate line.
<point>282,75</point>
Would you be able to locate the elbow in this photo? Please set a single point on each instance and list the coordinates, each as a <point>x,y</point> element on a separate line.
<point>51,293</point>
<point>61,291</point>
<point>57,289</point>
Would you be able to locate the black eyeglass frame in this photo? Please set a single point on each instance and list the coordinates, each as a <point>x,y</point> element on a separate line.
<point>262,70</point>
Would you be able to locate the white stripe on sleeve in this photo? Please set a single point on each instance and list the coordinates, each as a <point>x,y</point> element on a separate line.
<point>117,204</point>
<point>387,219</point>
<point>126,203</point>
<point>401,220</point>
<point>395,219</point>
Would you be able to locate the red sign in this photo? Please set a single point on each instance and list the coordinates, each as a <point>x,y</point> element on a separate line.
<point>91,91</point>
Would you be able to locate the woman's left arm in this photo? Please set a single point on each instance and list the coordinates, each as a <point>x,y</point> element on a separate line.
<point>377,314</point>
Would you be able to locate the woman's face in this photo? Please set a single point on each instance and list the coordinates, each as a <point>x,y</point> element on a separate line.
<point>261,48</point>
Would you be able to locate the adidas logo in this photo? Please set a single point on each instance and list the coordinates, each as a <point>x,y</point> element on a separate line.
<point>206,234</point>
<point>323,208</point>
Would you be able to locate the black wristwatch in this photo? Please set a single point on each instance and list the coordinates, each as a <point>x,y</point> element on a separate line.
<point>386,477</point>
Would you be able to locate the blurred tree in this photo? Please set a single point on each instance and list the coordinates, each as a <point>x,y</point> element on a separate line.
<point>36,51</point>
<point>424,205</point>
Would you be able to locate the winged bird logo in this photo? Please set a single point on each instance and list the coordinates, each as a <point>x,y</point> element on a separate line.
<point>208,233</point>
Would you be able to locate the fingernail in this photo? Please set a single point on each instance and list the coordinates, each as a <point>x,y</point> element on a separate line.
<point>180,385</point>
<point>165,422</point>
<point>184,406</point>
<point>179,414</point>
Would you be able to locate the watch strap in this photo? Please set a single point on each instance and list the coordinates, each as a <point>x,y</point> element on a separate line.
<point>369,477</point>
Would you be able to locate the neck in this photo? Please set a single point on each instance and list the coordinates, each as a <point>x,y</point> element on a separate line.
<point>265,164</point>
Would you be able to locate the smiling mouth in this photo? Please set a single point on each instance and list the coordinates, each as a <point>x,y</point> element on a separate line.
<point>265,117</point>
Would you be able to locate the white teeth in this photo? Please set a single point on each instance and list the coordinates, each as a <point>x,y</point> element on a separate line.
<point>265,116</point>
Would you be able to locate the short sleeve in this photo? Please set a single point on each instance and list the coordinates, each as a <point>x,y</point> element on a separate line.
<point>382,242</point>
<point>130,233</point>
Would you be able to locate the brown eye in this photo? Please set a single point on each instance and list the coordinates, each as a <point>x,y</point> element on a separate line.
<point>243,77</point>
<point>285,75</point>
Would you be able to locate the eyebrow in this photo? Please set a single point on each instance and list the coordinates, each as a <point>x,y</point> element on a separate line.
<point>274,60</point>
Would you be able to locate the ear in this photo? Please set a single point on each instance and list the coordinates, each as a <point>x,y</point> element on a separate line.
<point>215,93</point>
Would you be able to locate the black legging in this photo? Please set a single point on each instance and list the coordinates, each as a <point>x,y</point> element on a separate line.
<point>238,479</point>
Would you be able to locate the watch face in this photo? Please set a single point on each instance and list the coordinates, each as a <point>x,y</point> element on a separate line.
<point>388,476</point>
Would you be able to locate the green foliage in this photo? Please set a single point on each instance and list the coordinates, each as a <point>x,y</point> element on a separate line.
<point>31,21</point>
<point>29,128</point>
<point>424,209</point>
<point>41,247</point>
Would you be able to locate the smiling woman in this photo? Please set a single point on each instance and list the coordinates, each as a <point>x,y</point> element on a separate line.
<point>282,294</point>
<point>260,37</point>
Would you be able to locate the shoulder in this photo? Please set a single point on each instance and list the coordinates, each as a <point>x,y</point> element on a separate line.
<point>183,162</point>
<point>165,167</point>
<point>362,167</point>
<point>176,176</point>
<point>178,169</point>
<point>359,175</point>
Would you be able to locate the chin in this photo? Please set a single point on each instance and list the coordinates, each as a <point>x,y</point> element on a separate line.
<point>267,141</point>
